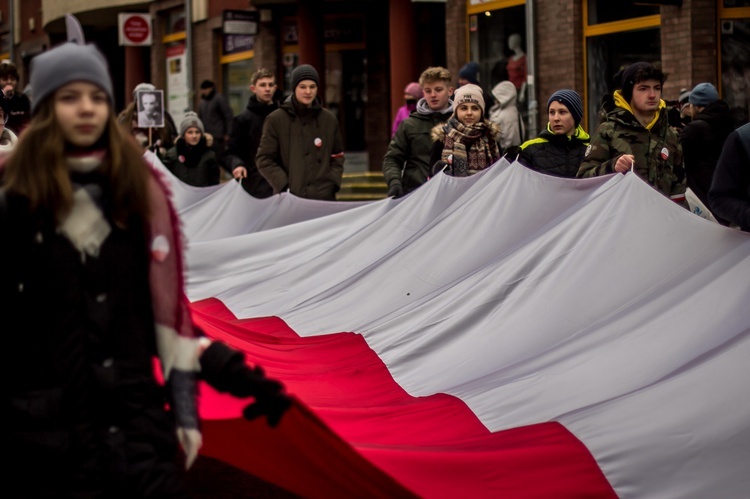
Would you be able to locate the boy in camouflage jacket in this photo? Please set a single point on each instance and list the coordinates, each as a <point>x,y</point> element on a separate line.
<point>637,135</point>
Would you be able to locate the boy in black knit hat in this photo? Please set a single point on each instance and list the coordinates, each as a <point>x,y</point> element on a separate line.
<point>301,148</point>
<point>559,149</point>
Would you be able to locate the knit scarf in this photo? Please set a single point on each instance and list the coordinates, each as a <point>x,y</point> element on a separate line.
<point>468,149</point>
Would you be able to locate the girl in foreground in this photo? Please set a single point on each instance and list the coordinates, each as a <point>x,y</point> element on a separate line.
<point>91,291</point>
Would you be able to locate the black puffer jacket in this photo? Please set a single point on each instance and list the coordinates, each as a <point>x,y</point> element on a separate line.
<point>702,140</point>
<point>244,139</point>
<point>557,155</point>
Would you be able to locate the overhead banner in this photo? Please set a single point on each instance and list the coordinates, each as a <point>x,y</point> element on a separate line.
<point>239,28</point>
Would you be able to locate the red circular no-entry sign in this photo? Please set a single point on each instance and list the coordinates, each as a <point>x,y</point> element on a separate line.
<point>136,29</point>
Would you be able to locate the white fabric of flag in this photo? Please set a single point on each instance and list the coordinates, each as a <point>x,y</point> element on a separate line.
<point>597,303</point>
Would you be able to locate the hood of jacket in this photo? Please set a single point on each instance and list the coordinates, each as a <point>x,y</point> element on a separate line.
<point>505,93</point>
<point>628,118</point>
<point>291,106</point>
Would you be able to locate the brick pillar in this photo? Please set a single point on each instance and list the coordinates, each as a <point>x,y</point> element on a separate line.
<point>311,43</point>
<point>689,46</point>
<point>134,70</point>
<point>559,52</point>
<point>455,35</point>
<point>401,42</point>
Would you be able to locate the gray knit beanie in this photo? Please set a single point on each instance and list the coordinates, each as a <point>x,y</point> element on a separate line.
<point>703,94</point>
<point>65,64</point>
<point>571,100</point>
<point>304,72</point>
<point>191,119</point>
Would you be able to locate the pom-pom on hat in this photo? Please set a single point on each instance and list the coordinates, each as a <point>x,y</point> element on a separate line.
<point>302,73</point>
<point>469,93</point>
<point>190,120</point>
<point>143,87</point>
<point>571,100</point>
<point>414,90</point>
<point>703,94</point>
<point>65,64</point>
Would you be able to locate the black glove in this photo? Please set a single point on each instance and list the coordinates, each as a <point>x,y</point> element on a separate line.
<point>396,190</point>
<point>224,368</point>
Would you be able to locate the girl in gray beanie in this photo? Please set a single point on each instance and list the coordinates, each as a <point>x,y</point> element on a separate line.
<point>191,159</point>
<point>90,237</point>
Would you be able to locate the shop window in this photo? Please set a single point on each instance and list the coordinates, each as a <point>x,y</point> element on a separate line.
<point>735,65</point>
<point>497,41</point>
<point>736,3</point>
<point>236,79</point>
<point>606,11</point>
<point>607,54</point>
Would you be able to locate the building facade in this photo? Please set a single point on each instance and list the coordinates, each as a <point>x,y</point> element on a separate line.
<point>368,50</point>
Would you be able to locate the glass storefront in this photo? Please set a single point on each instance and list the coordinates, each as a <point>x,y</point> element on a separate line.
<point>236,79</point>
<point>735,64</point>
<point>490,35</point>
<point>607,11</point>
<point>607,54</point>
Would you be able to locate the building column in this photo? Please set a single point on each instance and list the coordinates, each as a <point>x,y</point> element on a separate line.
<point>134,70</point>
<point>402,41</point>
<point>310,33</point>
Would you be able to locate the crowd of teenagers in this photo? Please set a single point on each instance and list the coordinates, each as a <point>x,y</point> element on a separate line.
<point>698,159</point>
<point>90,237</point>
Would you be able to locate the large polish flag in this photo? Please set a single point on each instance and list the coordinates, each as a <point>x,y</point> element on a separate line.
<point>508,334</point>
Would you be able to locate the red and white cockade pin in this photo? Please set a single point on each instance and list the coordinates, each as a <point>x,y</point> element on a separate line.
<point>160,248</point>
<point>318,142</point>
<point>181,158</point>
<point>664,153</point>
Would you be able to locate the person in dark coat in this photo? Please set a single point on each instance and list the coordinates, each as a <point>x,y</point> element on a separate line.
<point>16,105</point>
<point>247,128</point>
<point>191,159</point>
<point>216,115</point>
<point>406,164</point>
<point>91,293</point>
<point>560,148</point>
<point>703,138</point>
<point>729,196</point>
<point>301,147</point>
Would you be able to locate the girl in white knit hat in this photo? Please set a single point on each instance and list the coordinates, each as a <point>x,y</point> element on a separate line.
<point>468,142</point>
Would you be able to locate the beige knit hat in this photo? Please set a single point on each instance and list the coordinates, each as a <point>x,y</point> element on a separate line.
<point>469,93</point>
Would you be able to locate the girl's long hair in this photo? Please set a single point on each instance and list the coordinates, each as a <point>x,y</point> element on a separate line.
<point>37,169</point>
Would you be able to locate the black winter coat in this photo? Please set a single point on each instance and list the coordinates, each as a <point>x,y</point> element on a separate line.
<point>194,165</point>
<point>82,411</point>
<point>244,139</point>
<point>702,140</point>
<point>301,148</point>
<point>557,155</point>
<point>730,189</point>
